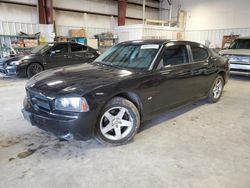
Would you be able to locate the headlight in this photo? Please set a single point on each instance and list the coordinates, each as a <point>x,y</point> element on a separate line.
<point>15,63</point>
<point>72,104</point>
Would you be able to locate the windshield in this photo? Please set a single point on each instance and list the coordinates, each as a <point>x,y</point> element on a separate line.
<point>132,55</point>
<point>42,48</point>
<point>240,44</point>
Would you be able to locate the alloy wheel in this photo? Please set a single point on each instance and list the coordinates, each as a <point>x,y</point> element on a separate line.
<point>116,123</point>
<point>35,68</point>
<point>217,90</point>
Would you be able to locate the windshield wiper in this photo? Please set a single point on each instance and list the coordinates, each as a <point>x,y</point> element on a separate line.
<point>107,64</point>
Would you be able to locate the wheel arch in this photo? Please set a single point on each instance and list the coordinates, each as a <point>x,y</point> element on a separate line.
<point>33,63</point>
<point>132,97</point>
<point>223,74</point>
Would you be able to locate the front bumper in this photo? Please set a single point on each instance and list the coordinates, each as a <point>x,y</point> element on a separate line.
<point>240,68</point>
<point>8,70</point>
<point>13,71</point>
<point>80,127</point>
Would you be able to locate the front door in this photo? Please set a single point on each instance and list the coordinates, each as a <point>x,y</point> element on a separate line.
<point>172,77</point>
<point>57,56</point>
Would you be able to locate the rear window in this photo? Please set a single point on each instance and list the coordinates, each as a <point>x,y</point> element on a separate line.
<point>76,47</point>
<point>199,54</point>
<point>240,44</point>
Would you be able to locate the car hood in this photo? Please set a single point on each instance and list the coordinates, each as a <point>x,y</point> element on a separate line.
<point>20,57</point>
<point>245,52</point>
<point>77,79</point>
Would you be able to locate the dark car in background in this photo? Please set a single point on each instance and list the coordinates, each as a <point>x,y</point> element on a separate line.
<point>47,56</point>
<point>126,85</point>
<point>238,54</point>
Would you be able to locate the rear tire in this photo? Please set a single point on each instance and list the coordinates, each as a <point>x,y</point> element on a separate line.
<point>33,69</point>
<point>216,90</point>
<point>118,122</point>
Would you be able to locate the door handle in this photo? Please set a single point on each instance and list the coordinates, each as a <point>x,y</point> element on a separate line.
<point>165,72</point>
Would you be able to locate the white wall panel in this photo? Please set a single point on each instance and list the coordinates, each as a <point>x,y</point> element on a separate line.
<point>101,6</point>
<point>16,13</point>
<point>133,22</point>
<point>69,18</point>
<point>136,11</point>
<point>214,36</point>
<point>63,30</point>
<point>138,32</point>
<point>25,1</point>
<point>216,14</point>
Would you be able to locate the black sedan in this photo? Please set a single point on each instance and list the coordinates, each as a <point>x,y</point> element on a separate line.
<point>47,56</point>
<point>128,84</point>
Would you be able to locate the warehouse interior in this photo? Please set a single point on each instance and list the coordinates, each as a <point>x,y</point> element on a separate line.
<point>196,145</point>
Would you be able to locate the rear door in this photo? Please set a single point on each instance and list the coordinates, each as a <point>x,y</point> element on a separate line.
<point>202,69</point>
<point>77,53</point>
<point>81,54</point>
<point>57,56</point>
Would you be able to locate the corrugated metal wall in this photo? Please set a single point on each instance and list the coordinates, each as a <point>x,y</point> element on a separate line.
<point>214,36</point>
<point>62,30</point>
<point>160,32</point>
<point>9,29</point>
<point>13,28</point>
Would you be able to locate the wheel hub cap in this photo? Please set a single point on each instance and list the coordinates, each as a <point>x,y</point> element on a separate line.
<point>116,123</point>
<point>217,88</point>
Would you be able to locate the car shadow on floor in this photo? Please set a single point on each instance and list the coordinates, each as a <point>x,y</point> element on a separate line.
<point>12,78</point>
<point>171,114</point>
<point>241,77</point>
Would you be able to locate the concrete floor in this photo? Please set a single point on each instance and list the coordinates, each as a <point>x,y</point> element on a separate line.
<point>199,146</point>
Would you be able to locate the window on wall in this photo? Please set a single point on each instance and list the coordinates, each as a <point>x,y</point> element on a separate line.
<point>199,54</point>
<point>175,55</point>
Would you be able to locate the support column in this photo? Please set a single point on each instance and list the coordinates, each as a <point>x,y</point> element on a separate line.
<point>122,5</point>
<point>45,14</point>
<point>41,11</point>
<point>45,11</point>
<point>143,11</point>
<point>49,12</point>
<point>170,12</point>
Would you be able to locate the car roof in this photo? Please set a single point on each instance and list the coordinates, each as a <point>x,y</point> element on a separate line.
<point>64,42</point>
<point>161,41</point>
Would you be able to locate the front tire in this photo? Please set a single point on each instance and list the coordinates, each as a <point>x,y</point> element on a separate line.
<point>33,69</point>
<point>118,122</point>
<point>216,89</point>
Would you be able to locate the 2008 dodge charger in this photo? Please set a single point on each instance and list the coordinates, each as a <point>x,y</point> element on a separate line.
<point>128,84</point>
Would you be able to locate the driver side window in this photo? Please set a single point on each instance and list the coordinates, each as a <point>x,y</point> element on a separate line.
<point>174,55</point>
<point>60,48</point>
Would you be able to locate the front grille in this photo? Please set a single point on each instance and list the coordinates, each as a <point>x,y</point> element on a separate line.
<point>38,100</point>
<point>2,70</point>
<point>239,59</point>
